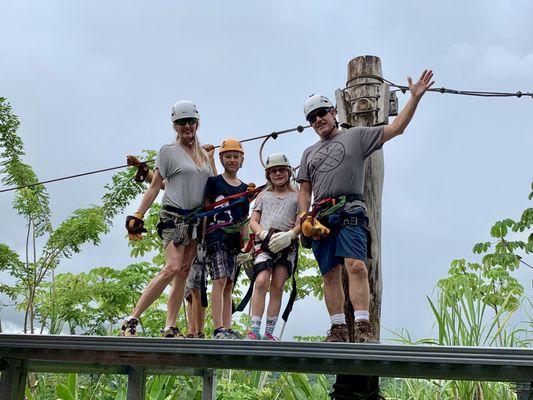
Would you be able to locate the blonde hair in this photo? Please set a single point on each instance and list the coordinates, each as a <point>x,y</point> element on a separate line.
<point>290,181</point>
<point>200,154</point>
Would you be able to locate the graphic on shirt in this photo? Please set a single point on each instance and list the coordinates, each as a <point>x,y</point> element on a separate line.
<point>224,216</point>
<point>329,157</point>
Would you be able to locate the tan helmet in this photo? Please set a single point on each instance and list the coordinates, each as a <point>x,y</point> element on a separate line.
<point>277,160</point>
<point>230,145</point>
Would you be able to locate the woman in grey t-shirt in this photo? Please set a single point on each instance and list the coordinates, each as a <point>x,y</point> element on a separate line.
<point>184,166</point>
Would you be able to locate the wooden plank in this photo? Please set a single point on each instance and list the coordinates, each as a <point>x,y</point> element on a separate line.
<point>13,380</point>
<point>209,385</point>
<point>136,383</point>
<point>463,363</point>
<point>524,391</point>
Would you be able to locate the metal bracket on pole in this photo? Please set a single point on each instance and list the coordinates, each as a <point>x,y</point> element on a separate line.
<point>136,383</point>
<point>13,379</point>
<point>524,391</point>
<point>209,390</point>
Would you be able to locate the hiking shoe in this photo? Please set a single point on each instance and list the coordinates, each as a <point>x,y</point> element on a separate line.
<point>223,334</point>
<point>189,336</point>
<point>364,332</point>
<point>270,337</point>
<point>337,333</point>
<point>200,335</point>
<point>235,335</point>
<point>253,336</point>
<point>171,332</point>
<point>129,327</point>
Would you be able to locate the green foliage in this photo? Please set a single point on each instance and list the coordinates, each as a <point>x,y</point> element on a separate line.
<point>31,203</point>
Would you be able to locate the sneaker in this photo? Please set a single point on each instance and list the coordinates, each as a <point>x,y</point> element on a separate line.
<point>200,335</point>
<point>235,335</point>
<point>270,337</point>
<point>251,335</point>
<point>222,334</point>
<point>172,332</point>
<point>129,327</point>
<point>364,332</point>
<point>337,333</point>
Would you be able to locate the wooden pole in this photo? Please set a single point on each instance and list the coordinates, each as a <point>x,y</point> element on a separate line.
<point>365,102</point>
<point>362,97</point>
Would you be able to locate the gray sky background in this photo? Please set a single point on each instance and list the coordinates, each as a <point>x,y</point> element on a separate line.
<point>94,81</point>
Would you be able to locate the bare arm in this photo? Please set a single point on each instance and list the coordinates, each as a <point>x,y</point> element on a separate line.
<point>151,193</point>
<point>304,197</point>
<point>404,117</point>
<point>254,222</point>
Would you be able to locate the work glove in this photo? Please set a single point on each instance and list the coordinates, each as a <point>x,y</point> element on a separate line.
<point>251,187</point>
<point>135,226</point>
<point>142,168</point>
<point>281,240</point>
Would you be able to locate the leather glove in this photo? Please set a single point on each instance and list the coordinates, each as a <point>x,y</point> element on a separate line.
<point>251,186</point>
<point>281,240</point>
<point>210,149</point>
<point>135,226</point>
<point>142,168</point>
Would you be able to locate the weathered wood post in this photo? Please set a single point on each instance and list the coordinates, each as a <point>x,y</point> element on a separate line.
<point>13,379</point>
<point>366,101</point>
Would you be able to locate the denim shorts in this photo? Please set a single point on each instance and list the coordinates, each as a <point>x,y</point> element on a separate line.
<point>348,241</point>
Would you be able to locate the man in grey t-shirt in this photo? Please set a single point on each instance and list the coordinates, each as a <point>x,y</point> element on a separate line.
<point>333,167</point>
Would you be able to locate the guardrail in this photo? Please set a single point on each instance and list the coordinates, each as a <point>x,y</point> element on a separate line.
<point>138,357</point>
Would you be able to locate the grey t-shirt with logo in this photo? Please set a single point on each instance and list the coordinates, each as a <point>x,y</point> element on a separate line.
<point>277,212</point>
<point>336,166</point>
<point>184,180</point>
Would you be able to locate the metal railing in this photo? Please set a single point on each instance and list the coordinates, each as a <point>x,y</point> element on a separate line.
<point>138,357</point>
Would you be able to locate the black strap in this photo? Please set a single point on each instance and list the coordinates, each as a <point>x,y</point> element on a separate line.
<point>257,269</point>
<point>294,290</point>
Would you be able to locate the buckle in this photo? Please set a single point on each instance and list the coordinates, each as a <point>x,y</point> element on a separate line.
<point>350,221</point>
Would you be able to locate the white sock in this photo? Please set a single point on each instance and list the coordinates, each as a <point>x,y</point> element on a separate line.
<point>271,324</point>
<point>360,315</point>
<point>338,319</point>
<point>256,323</point>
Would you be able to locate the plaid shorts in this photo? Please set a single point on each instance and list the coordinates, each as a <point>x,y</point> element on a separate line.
<point>194,281</point>
<point>222,264</point>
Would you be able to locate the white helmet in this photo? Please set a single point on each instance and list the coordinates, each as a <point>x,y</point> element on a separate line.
<point>184,109</point>
<point>316,101</point>
<point>277,160</point>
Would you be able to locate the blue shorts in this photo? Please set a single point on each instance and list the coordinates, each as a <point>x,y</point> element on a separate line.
<point>348,241</point>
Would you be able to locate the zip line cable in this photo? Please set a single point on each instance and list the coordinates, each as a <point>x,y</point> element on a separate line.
<point>300,128</point>
<point>443,90</point>
<point>273,135</point>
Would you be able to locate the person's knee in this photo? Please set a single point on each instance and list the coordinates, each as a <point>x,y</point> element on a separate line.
<point>356,268</point>
<point>172,269</point>
<point>262,282</point>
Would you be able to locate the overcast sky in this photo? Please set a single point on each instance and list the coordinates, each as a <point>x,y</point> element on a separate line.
<point>94,81</point>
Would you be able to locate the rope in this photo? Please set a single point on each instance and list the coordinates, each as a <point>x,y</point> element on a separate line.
<point>275,134</point>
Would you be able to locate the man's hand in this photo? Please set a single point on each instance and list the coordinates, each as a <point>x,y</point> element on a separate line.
<point>210,149</point>
<point>135,226</point>
<point>424,83</point>
<point>281,240</point>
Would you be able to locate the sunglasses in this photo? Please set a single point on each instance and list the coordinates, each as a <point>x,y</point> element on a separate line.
<point>274,171</point>
<point>321,112</point>
<point>185,121</point>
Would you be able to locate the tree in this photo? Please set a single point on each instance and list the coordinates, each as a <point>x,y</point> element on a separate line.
<point>32,203</point>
